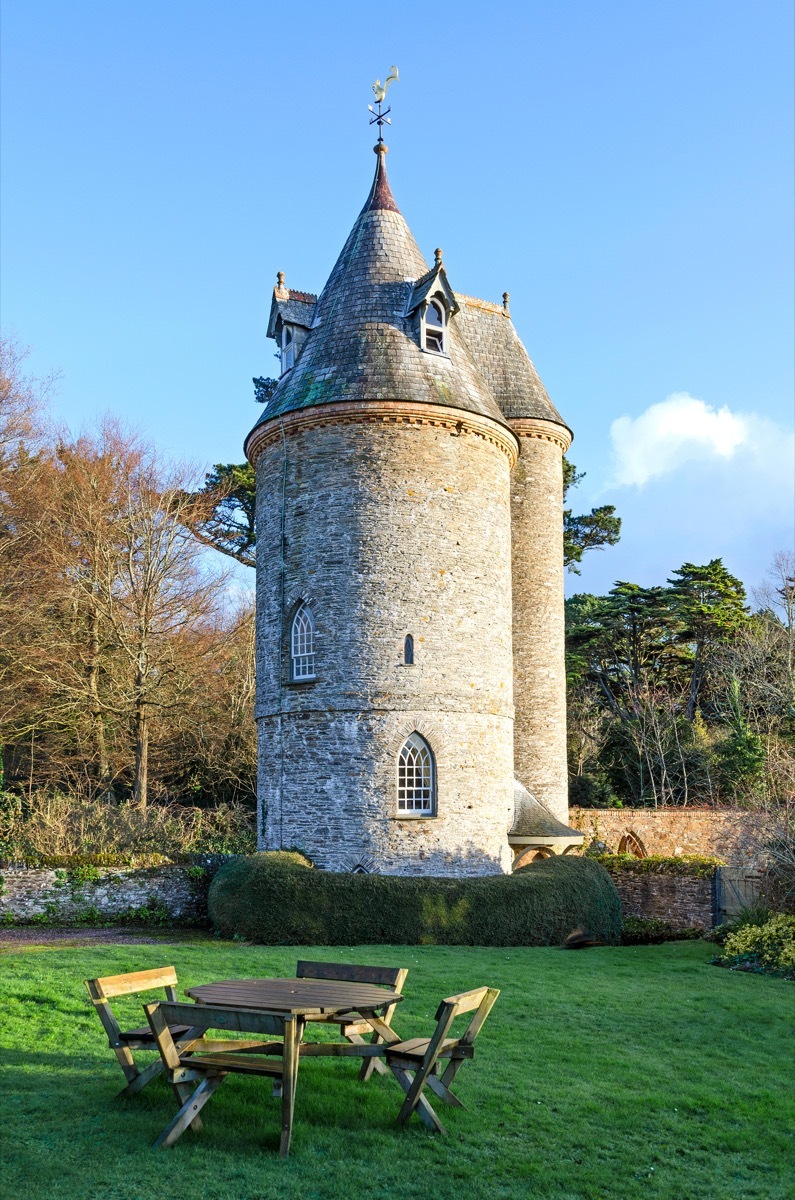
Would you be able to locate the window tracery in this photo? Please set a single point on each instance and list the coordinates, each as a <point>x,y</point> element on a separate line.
<point>302,644</point>
<point>416,777</point>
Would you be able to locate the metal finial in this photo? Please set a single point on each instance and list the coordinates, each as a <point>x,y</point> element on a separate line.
<point>437,257</point>
<point>505,298</point>
<point>280,280</point>
<point>381,118</point>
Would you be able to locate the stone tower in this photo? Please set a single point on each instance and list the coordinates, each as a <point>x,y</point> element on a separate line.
<point>385,646</point>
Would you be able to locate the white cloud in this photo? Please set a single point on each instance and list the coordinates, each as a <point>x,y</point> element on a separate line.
<point>679,429</point>
<point>706,484</point>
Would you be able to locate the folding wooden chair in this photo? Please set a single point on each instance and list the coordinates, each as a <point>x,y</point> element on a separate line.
<point>210,1060</point>
<point>414,1062</point>
<point>351,1026</point>
<point>124,1041</point>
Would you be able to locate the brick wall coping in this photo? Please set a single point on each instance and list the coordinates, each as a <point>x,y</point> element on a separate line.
<point>385,412</point>
<point>533,427</point>
<point>681,809</point>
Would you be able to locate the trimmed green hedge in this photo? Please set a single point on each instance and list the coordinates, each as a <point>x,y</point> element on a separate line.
<point>278,899</point>
<point>695,865</point>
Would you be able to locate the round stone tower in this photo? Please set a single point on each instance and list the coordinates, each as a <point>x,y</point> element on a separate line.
<point>384,597</point>
<point>538,615</point>
<point>536,553</point>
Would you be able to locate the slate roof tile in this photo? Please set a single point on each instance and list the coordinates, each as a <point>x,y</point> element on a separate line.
<point>360,345</point>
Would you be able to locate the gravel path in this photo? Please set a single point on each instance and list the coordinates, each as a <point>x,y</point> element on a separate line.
<point>15,936</point>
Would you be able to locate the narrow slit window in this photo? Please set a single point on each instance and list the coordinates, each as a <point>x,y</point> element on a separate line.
<point>302,644</point>
<point>416,777</point>
<point>408,650</point>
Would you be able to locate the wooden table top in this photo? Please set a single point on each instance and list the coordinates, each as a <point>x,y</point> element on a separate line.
<point>299,996</point>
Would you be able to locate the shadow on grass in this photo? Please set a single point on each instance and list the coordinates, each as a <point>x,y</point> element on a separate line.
<point>242,1115</point>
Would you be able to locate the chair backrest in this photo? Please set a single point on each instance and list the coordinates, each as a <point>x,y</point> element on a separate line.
<point>100,990</point>
<point>201,1017</point>
<point>393,977</point>
<point>136,981</point>
<point>482,1000</point>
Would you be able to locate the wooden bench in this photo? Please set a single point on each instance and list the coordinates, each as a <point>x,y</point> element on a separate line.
<point>414,1062</point>
<point>124,1041</point>
<point>208,1061</point>
<point>350,1025</point>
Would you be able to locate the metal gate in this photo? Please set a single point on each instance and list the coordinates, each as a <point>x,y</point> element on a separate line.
<point>735,888</point>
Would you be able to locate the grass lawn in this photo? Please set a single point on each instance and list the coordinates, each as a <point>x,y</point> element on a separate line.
<point>615,1072</point>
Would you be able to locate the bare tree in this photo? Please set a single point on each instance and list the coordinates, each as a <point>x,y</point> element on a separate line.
<point>777,595</point>
<point>118,599</point>
<point>156,587</point>
<point>23,402</point>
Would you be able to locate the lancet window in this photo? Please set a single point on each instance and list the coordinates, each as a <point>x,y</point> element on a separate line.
<point>416,777</point>
<point>302,644</point>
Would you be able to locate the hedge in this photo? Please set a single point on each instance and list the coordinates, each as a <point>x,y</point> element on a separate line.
<point>280,899</point>
<point>694,865</point>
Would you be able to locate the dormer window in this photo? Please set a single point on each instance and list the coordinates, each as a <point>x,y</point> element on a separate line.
<point>433,328</point>
<point>288,348</point>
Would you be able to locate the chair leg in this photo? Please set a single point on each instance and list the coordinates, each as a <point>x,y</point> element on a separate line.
<point>126,1062</point>
<point>141,1079</point>
<point>370,1064</point>
<point>442,1091</point>
<point>189,1112</point>
<point>451,1070</point>
<point>418,1102</point>
<point>182,1091</point>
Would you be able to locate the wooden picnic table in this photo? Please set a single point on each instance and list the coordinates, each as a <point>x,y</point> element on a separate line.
<point>308,998</point>
<point>302,997</point>
<point>301,1000</point>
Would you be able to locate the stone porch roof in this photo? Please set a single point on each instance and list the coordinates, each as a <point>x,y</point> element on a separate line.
<point>533,824</point>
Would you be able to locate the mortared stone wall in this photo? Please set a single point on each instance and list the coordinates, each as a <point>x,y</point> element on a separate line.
<point>386,526</point>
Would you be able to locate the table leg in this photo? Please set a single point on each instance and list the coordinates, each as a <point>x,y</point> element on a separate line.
<point>293,1032</point>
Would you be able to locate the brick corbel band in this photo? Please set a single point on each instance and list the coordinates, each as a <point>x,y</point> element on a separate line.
<point>386,412</point>
<point>547,431</point>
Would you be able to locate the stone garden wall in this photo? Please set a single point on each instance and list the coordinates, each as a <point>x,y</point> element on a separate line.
<point>680,900</point>
<point>736,836</point>
<point>90,895</point>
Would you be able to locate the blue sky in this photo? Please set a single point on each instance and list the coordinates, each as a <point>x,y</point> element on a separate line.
<point>625,170</point>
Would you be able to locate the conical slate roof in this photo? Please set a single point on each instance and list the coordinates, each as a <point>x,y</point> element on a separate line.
<point>362,345</point>
<point>362,341</point>
<point>498,351</point>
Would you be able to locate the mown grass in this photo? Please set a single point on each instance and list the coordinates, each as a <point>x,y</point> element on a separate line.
<point>617,1072</point>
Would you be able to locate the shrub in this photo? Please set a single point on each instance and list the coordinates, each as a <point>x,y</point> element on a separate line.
<point>52,828</point>
<point>276,898</point>
<point>753,914</point>
<point>649,931</point>
<point>767,949</point>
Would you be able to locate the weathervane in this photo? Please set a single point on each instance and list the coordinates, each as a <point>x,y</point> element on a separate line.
<point>381,118</point>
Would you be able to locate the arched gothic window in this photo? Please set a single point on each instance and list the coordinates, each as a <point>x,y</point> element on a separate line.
<point>408,650</point>
<point>288,348</point>
<point>631,844</point>
<point>302,644</point>
<point>434,327</point>
<point>416,777</point>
